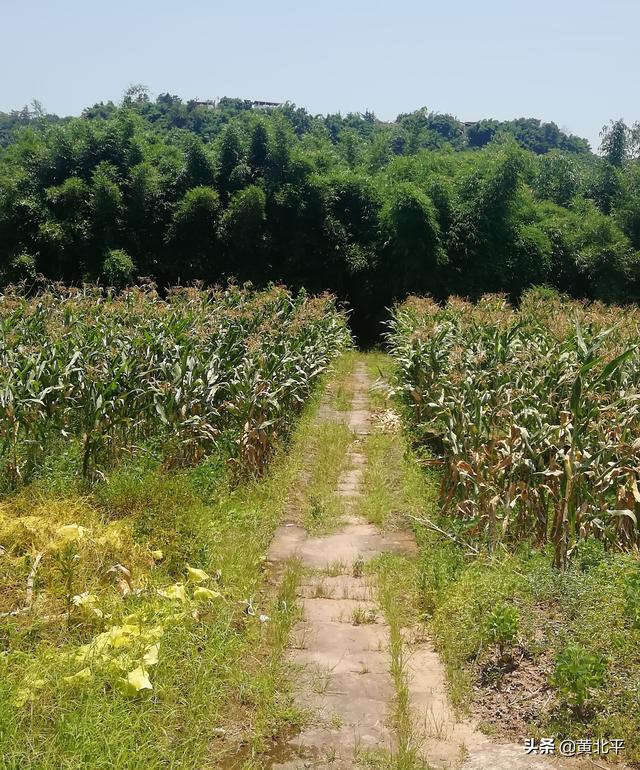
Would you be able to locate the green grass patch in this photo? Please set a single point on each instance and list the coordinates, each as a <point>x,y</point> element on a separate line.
<point>397,586</point>
<point>383,500</point>
<point>219,679</point>
<point>321,509</point>
<point>395,486</point>
<point>380,369</point>
<point>341,390</point>
<point>573,630</point>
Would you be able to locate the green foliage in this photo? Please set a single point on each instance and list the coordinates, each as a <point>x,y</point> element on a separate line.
<point>194,234</point>
<point>201,370</point>
<point>591,553</point>
<point>632,596</point>
<point>577,674</point>
<point>118,268</point>
<point>243,228</point>
<point>412,231</point>
<point>366,209</point>
<point>521,406</point>
<point>166,512</point>
<point>618,142</point>
<point>558,178</point>
<point>438,569</point>
<point>20,268</point>
<point>588,611</point>
<point>501,626</point>
<point>198,166</point>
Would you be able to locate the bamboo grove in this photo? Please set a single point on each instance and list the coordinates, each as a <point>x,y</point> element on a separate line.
<point>199,370</point>
<point>368,210</point>
<point>534,413</point>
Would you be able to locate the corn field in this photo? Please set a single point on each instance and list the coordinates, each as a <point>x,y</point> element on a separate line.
<point>532,413</point>
<point>193,371</point>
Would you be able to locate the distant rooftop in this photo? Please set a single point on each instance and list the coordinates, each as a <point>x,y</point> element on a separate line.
<point>262,105</point>
<point>257,104</point>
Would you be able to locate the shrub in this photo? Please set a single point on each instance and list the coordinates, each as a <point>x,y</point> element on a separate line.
<point>590,553</point>
<point>577,673</point>
<point>22,267</point>
<point>118,268</point>
<point>502,626</point>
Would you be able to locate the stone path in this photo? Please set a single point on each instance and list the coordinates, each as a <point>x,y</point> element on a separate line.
<point>339,649</point>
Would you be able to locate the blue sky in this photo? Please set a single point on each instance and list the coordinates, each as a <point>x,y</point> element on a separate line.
<point>574,62</point>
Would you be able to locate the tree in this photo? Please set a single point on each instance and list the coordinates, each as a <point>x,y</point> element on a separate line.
<point>259,149</point>
<point>351,147</point>
<point>557,178</point>
<point>118,269</point>
<point>193,234</point>
<point>21,267</point>
<point>617,142</point>
<point>198,166</point>
<point>279,157</point>
<point>603,256</point>
<point>106,210</point>
<point>627,204</point>
<point>603,184</point>
<point>484,227</point>
<point>243,233</point>
<point>135,95</point>
<point>413,251</point>
<point>230,156</point>
<point>371,210</point>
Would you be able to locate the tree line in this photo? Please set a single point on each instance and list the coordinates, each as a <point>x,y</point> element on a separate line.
<point>368,209</point>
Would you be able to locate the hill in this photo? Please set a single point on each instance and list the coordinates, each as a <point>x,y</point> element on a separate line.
<point>370,210</point>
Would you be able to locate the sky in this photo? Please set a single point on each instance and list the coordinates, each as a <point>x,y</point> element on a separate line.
<point>570,61</point>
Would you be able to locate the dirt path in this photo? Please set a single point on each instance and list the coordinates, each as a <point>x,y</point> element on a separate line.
<point>340,650</point>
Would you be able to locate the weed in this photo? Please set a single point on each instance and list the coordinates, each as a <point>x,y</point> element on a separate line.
<point>394,577</point>
<point>577,674</point>
<point>342,391</point>
<point>217,667</point>
<point>363,616</point>
<point>335,568</point>
<point>322,509</point>
<point>321,590</point>
<point>321,681</point>
<point>632,596</point>
<point>501,627</point>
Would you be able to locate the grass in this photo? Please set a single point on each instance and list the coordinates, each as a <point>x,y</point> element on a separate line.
<point>220,678</point>
<point>397,593</point>
<point>584,607</point>
<point>394,482</point>
<point>461,597</point>
<point>383,480</point>
<point>396,486</point>
<point>380,369</point>
<point>393,486</point>
<point>341,392</point>
<point>321,509</point>
<point>362,616</point>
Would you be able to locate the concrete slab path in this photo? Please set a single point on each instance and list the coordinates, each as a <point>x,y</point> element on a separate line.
<point>339,650</point>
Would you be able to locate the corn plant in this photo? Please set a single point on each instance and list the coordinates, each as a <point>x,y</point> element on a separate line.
<point>535,412</point>
<point>192,370</point>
